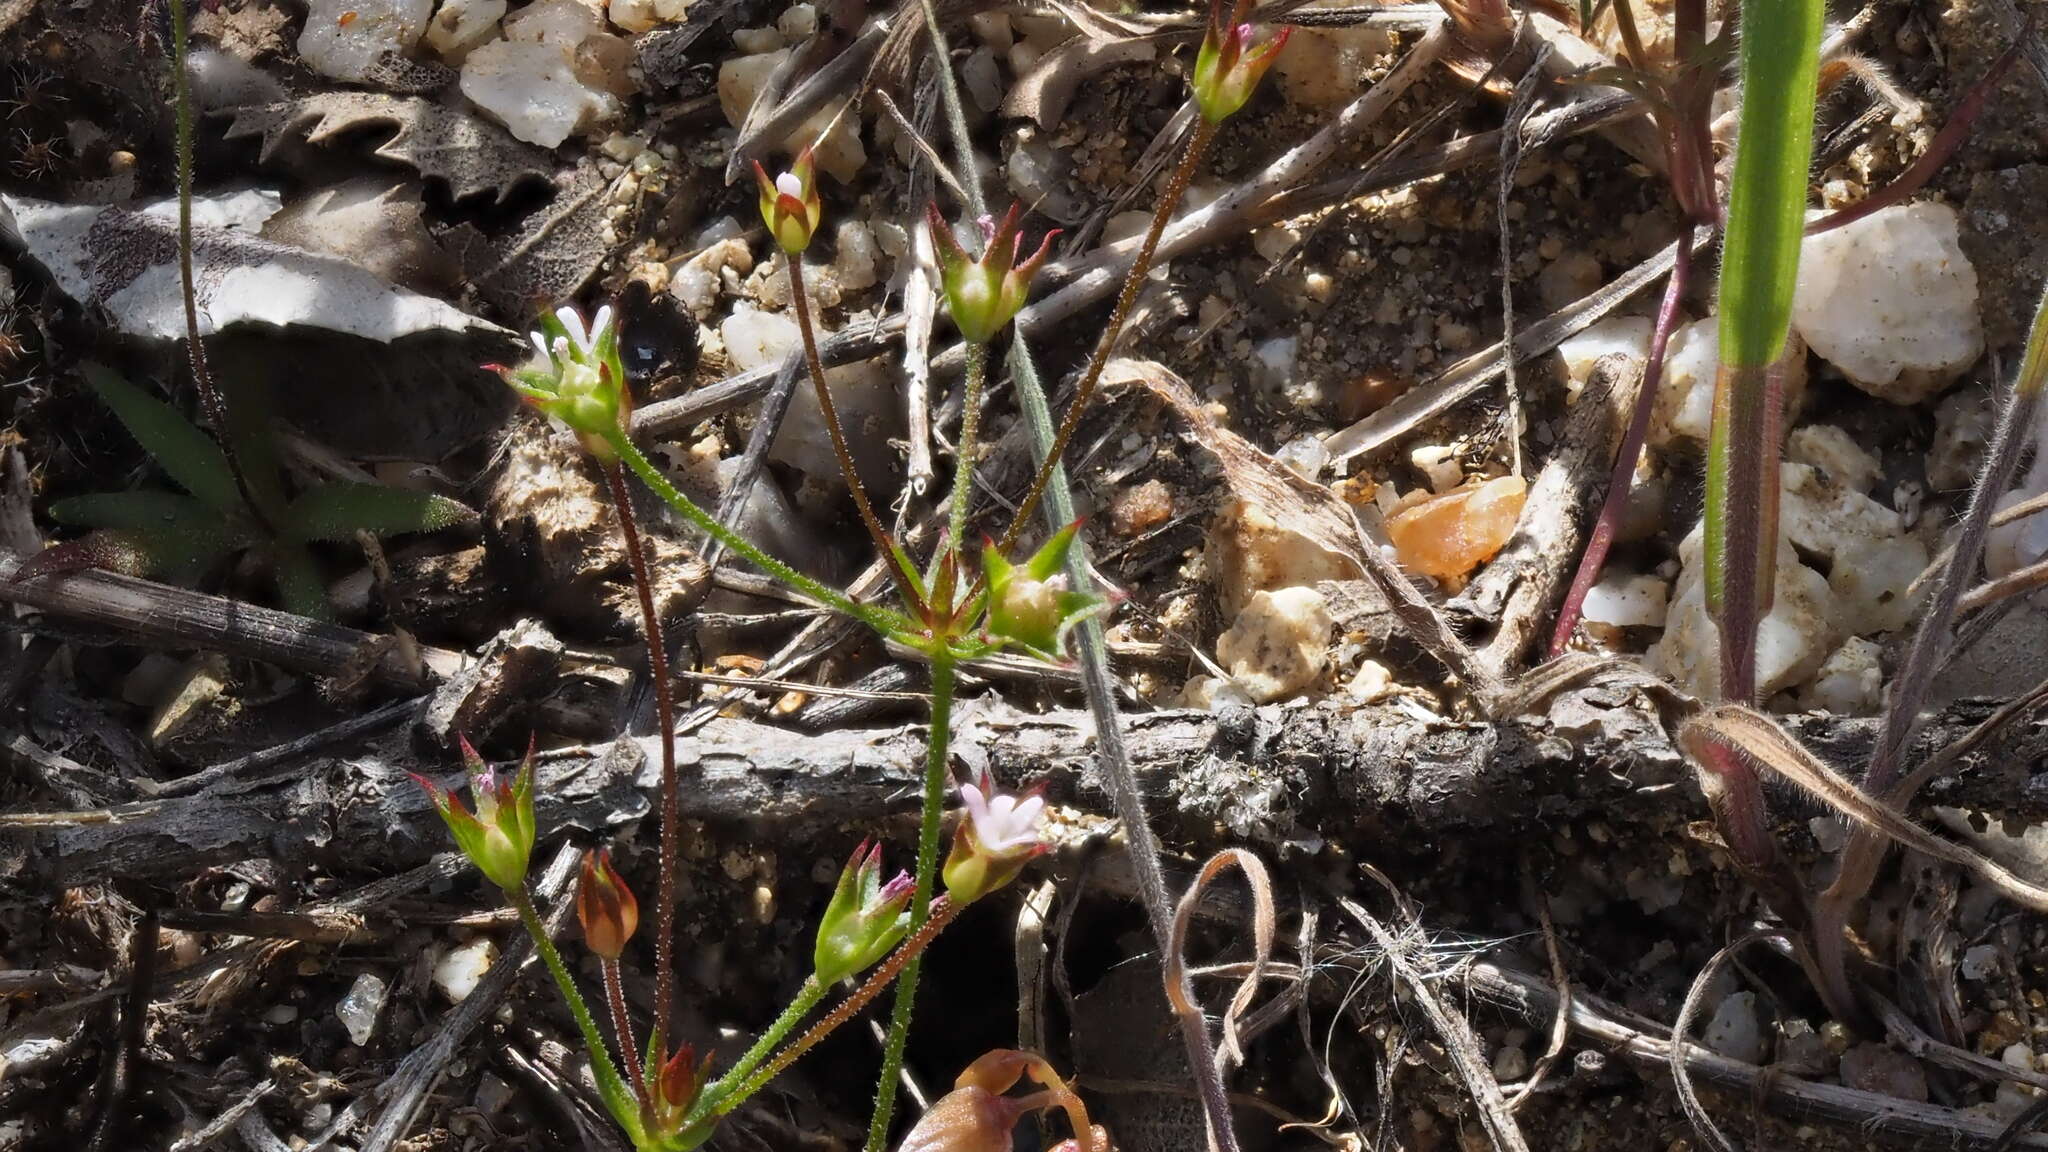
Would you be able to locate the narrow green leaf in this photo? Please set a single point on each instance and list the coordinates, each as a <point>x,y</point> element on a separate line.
<point>339,511</point>
<point>299,584</point>
<point>187,455</point>
<point>1767,199</point>
<point>175,536</point>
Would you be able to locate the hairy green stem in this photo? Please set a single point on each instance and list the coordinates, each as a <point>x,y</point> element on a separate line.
<point>963,453</point>
<point>880,619</point>
<point>936,777</point>
<point>943,912</point>
<point>735,1078</point>
<point>609,1084</point>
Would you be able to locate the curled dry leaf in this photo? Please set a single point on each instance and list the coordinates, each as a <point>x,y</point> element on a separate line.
<point>125,262</point>
<point>1041,95</point>
<point>1760,740</point>
<point>438,142</point>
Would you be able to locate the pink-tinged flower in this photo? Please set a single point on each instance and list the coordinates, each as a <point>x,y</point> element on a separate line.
<point>789,203</point>
<point>605,906</point>
<point>865,919</point>
<point>984,294</point>
<point>998,836</point>
<point>576,378</point>
<point>498,837</point>
<point>1230,64</point>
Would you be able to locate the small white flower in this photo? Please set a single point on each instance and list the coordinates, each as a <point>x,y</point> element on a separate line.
<point>540,346</point>
<point>1002,822</point>
<point>600,324</point>
<point>788,185</point>
<point>562,360</point>
<point>572,321</point>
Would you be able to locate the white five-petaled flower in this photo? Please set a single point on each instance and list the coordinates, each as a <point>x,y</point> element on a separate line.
<point>1002,822</point>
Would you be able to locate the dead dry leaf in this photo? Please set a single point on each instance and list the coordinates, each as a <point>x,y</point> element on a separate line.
<point>438,142</point>
<point>124,261</point>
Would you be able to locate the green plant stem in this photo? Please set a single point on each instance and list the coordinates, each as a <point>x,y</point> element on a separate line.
<point>1090,646</point>
<point>1759,272</point>
<point>906,583</point>
<point>943,912</point>
<point>622,1027</point>
<point>807,998</point>
<point>1169,200</point>
<point>601,1066</point>
<point>665,713</point>
<point>963,453</point>
<point>936,777</point>
<point>880,619</point>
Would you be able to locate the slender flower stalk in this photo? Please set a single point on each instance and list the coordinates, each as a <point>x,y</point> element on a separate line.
<point>1126,297</point>
<point>937,751</point>
<point>898,964</point>
<point>665,716</point>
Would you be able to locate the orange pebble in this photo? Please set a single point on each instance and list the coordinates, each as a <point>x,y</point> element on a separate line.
<point>1455,533</point>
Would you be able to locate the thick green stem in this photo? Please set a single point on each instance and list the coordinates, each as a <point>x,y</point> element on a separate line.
<point>963,454</point>
<point>935,779</point>
<point>807,998</point>
<point>609,1083</point>
<point>880,619</point>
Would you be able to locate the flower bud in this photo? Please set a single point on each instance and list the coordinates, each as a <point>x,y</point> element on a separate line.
<point>498,837</point>
<point>1030,604</point>
<point>605,906</point>
<point>676,1085</point>
<point>997,837</point>
<point>789,203</point>
<point>984,294</point>
<point>576,378</point>
<point>865,919</point>
<point>1229,66</point>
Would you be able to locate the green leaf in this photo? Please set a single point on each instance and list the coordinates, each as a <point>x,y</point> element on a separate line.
<point>339,511</point>
<point>298,581</point>
<point>1767,197</point>
<point>175,536</point>
<point>186,454</point>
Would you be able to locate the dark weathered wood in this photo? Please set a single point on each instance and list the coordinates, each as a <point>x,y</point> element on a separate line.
<point>167,617</point>
<point>1387,775</point>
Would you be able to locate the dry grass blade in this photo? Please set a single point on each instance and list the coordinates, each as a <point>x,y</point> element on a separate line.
<point>1180,991</point>
<point>1681,1074</point>
<point>1759,740</point>
<point>2018,582</point>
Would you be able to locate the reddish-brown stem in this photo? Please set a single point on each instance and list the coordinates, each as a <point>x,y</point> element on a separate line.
<point>905,582</point>
<point>1939,149</point>
<point>1176,186</point>
<point>1618,482</point>
<point>622,1027</point>
<point>665,715</point>
<point>1750,408</point>
<point>943,910</point>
